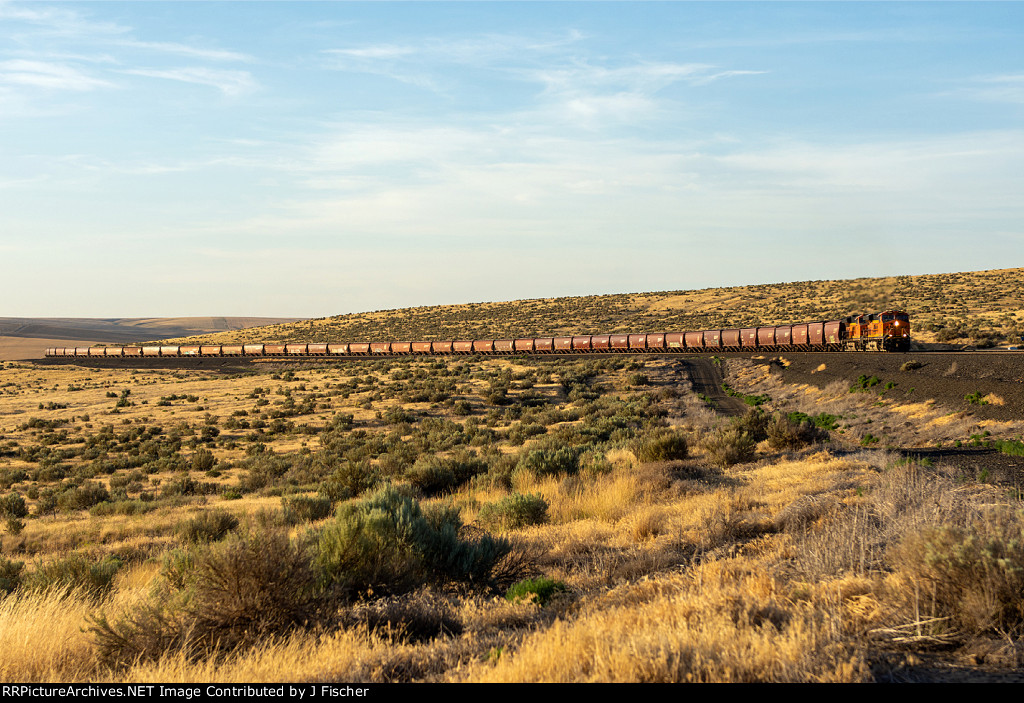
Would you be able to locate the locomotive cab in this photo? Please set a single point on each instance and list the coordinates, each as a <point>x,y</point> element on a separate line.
<point>883,331</point>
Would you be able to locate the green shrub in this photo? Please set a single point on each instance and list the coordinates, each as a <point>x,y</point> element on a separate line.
<point>513,512</point>
<point>548,462</point>
<point>869,439</point>
<point>541,590</point>
<point>664,445</point>
<point>75,572</point>
<point>386,542</point>
<point>1012,447</point>
<point>975,398</point>
<point>10,575</point>
<point>728,446</point>
<point>787,432</point>
<point>351,479</point>
<point>436,475</point>
<point>12,506</point>
<point>207,526</point>
<point>864,383</point>
<point>306,508</point>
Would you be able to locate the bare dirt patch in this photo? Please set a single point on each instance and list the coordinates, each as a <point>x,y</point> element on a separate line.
<point>949,379</point>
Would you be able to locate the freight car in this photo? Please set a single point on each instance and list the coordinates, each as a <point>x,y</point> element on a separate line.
<point>887,331</point>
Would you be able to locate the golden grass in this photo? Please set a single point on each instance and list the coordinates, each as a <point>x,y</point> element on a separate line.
<point>676,572</point>
<point>722,622</point>
<point>350,656</point>
<point>644,611</point>
<point>43,636</point>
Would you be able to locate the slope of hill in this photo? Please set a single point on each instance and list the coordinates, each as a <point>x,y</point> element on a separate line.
<point>981,307</point>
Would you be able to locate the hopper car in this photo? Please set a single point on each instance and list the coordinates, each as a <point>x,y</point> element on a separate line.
<point>887,331</point>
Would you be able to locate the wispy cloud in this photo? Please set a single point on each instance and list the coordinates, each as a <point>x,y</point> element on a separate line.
<point>386,51</point>
<point>54,21</point>
<point>230,83</point>
<point>187,50</point>
<point>423,63</point>
<point>387,60</point>
<point>1007,88</point>
<point>48,75</point>
<point>599,95</point>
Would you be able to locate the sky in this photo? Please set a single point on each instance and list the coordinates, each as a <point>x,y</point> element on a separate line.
<point>309,159</point>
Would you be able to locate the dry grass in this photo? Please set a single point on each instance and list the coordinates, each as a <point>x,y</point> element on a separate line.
<point>722,622</point>
<point>777,569</point>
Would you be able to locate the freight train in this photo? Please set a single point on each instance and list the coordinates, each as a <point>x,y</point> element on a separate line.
<point>887,331</point>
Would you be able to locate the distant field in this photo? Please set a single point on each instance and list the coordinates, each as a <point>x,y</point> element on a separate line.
<point>27,337</point>
<point>25,348</point>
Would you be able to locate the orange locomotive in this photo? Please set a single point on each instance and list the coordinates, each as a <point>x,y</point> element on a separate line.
<point>883,331</point>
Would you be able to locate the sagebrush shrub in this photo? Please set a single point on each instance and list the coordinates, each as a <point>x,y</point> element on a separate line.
<point>207,526</point>
<point>790,433</point>
<point>513,512</point>
<point>12,505</point>
<point>664,445</point>
<point>975,579</point>
<point>728,446</point>
<point>547,462</point>
<point>755,424</point>
<point>74,573</point>
<point>299,509</point>
<point>10,575</point>
<point>220,597</point>
<point>386,542</point>
<point>349,480</point>
<point>436,475</point>
<point>203,460</point>
<point>83,497</point>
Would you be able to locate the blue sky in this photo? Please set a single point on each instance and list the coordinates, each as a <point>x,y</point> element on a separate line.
<point>311,159</point>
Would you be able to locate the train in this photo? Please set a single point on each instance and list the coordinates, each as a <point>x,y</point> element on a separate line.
<point>887,331</point>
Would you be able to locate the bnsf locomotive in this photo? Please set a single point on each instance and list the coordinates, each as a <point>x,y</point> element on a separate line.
<point>887,331</point>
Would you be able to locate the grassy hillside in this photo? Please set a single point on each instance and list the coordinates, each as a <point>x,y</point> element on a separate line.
<point>981,307</point>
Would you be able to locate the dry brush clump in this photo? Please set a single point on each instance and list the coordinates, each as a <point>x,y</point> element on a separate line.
<point>943,559</point>
<point>218,598</point>
<point>964,582</point>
